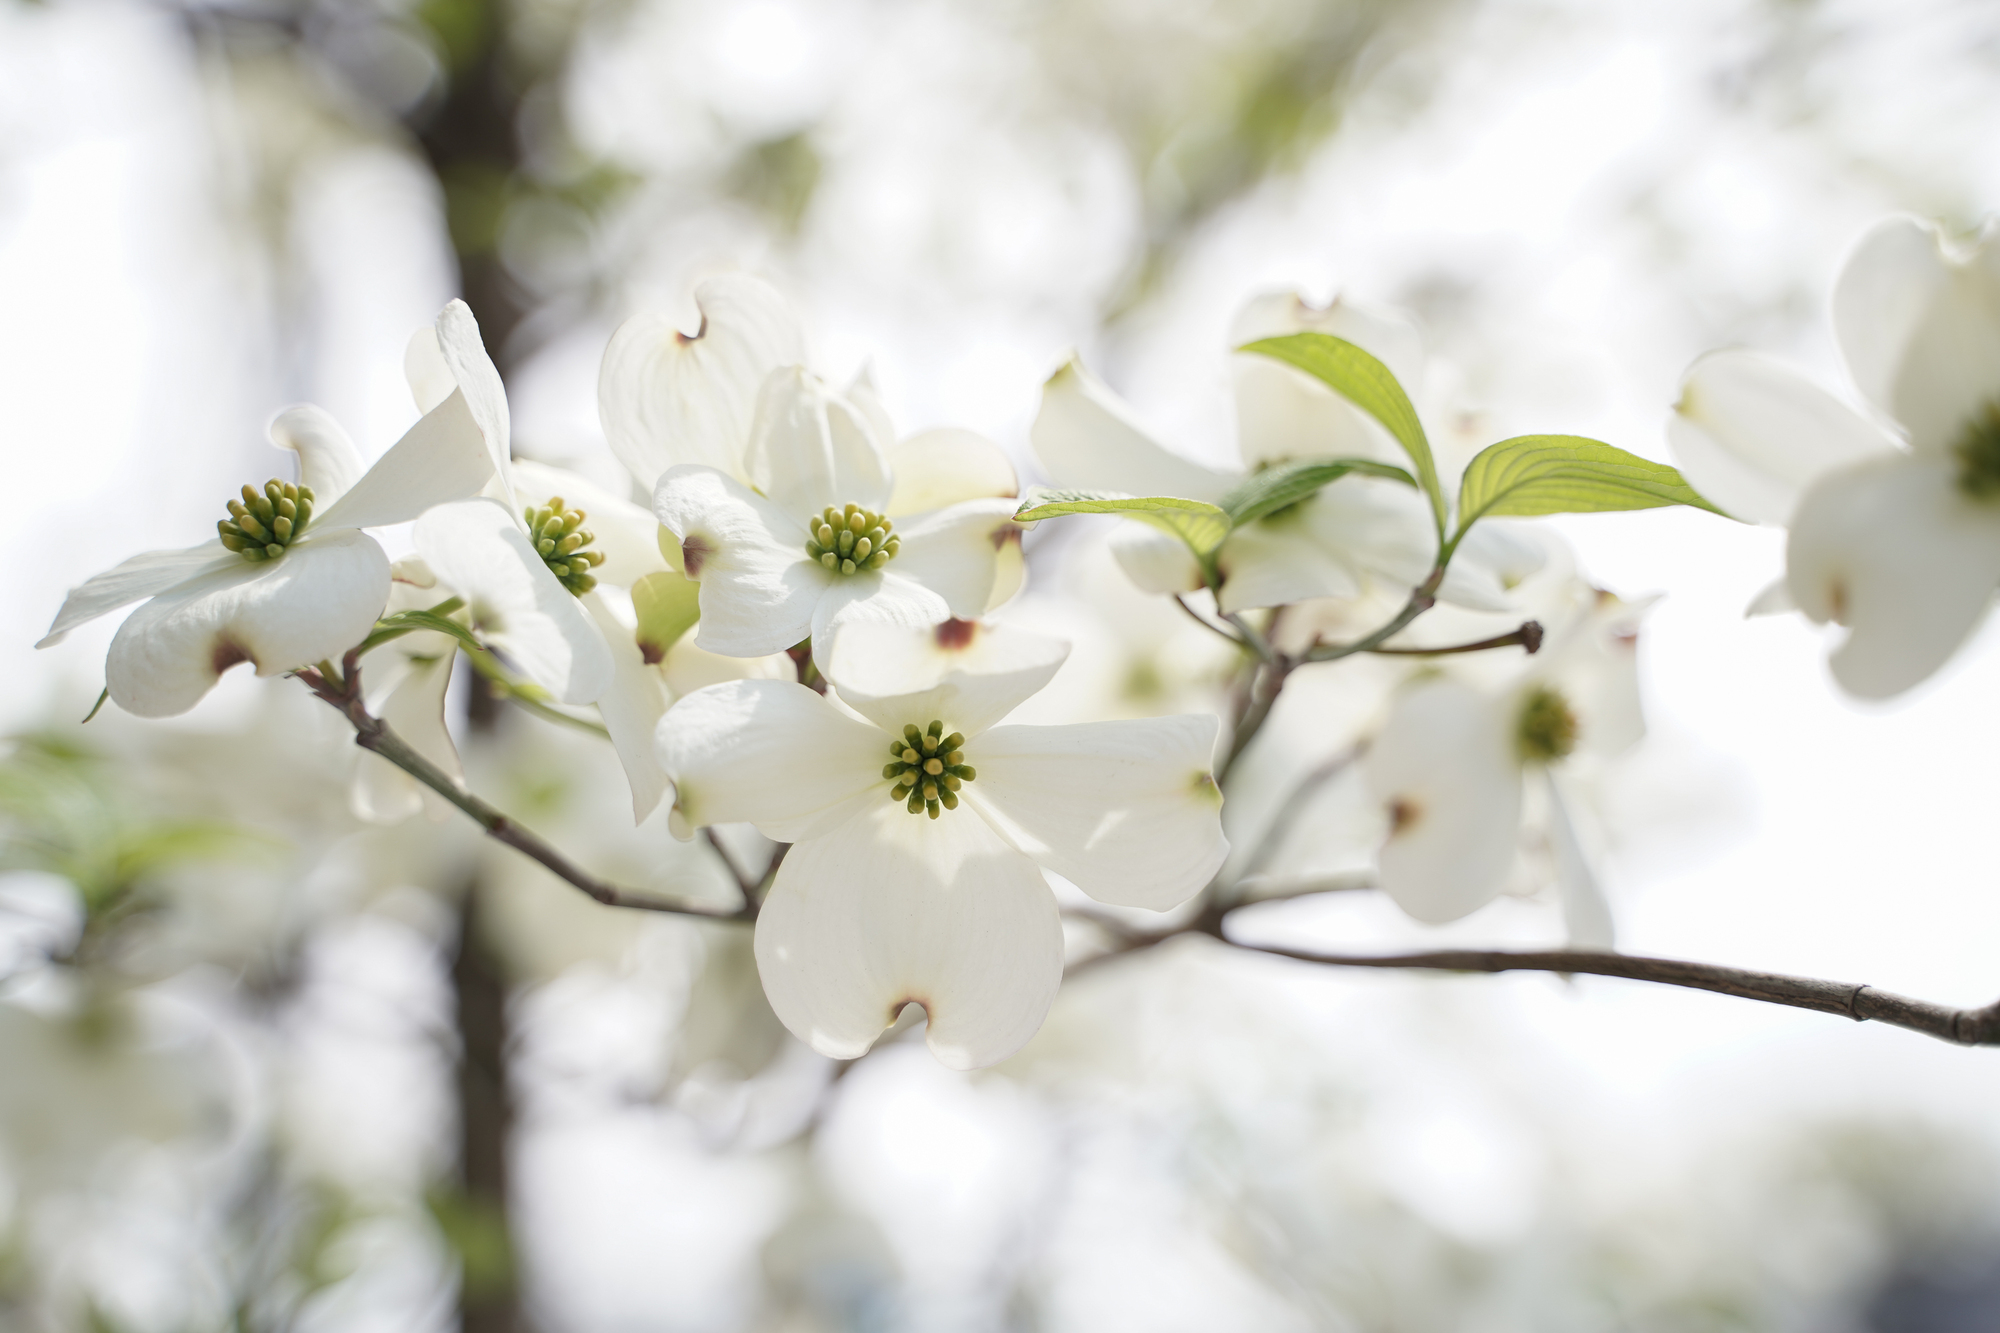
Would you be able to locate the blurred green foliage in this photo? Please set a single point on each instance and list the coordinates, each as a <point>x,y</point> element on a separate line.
<point>64,811</point>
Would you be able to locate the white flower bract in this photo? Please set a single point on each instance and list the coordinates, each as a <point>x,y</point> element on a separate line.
<point>1899,544</point>
<point>747,450</point>
<point>876,906</point>
<point>211,609</point>
<point>1451,768</point>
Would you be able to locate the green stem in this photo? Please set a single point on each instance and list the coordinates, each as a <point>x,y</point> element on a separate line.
<point>516,691</point>
<point>1421,600</point>
<point>1180,600</point>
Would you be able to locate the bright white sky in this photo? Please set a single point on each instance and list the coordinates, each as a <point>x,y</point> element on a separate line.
<point>1610,215</point>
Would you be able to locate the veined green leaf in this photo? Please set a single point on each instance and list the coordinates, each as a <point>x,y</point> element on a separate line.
<point>1200,524</point>
<point>1566,474</point>
<point>668,605</point>
<point>1288,483</point>
<point>1364,381</point>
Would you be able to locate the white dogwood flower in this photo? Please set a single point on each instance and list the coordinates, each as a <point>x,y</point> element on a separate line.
<point>1454,765</point>
<point>1350,536</point>
<point>520,571</point>
<point>292,579</point>
<point>918,828</point>
<point>1898,542</point>
<point>752,457</point>
<point>550,594</point>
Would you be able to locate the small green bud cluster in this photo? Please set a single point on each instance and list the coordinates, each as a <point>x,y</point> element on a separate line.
<point>929,768</point>
<point>560,540</point>
<point>1546,728</point>
<point>1978,450</point>
<point>851,539</point>
<point>263,523</point>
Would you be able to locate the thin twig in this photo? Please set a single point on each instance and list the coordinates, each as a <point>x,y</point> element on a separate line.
<point>771,869</point>
<point>1207,624</point>
<point>1528,636</point>
<point>1965,1027</point>
<point>1295,804</point>
<point>1421,600</point>
<point>744,884</point>
<point>1254,637</point>
<point>1266,682</point>
<point>343,693</point>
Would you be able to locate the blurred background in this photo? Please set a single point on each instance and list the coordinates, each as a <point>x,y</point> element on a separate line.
<point>288,1072</point>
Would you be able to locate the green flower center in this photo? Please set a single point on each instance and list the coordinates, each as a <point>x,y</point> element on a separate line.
<point>263,523</point>
<point>928,769</point>
<point>1546,728</point>
<point>851,539</point>
<point>1978,450</point>
<point>560,540</point>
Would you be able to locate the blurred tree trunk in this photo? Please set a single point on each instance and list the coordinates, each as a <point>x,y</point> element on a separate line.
<point>478,1220</point>
<point>471,139</point>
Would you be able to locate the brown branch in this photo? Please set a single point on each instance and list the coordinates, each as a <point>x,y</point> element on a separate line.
<point>1528,636</point>
<point>1966,1027</point>
<point>1281,823</point>
<point>1421,600</point>
<point>744,884</point>
<point>1267,681</point>
<point>371,733</point>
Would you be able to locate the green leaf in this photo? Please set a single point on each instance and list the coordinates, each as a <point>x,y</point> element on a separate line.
<point>1201,525</point>
<point>1288,483</point>
<point>1368,384</point>
<point>668,606</point>
<point>1566,474</point>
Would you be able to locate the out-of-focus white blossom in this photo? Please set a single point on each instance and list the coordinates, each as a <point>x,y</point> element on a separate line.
<point>1894,534</point>
<point>1452,767</point>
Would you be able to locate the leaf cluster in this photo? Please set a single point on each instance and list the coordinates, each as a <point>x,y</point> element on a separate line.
<point>1523,476</point>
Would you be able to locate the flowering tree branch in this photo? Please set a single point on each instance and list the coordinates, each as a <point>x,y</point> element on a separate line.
<point>1965,1027</point>
<point>1862,1003</point>
<point>342,691</point>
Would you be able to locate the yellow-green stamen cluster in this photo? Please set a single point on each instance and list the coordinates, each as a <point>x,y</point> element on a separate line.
<point>263,523</point>
<point>560,540</point>
<point>1546,728</point>
<point>1978,450</point>
<point>851,539</point>
<point>929,768</point>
